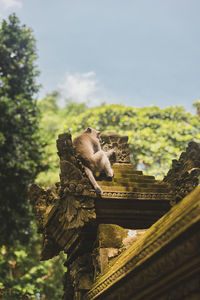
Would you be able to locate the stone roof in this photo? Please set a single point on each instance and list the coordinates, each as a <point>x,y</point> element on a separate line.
<point>162,264</point>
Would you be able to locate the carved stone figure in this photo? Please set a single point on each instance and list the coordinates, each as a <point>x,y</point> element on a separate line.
<point>183,177</point>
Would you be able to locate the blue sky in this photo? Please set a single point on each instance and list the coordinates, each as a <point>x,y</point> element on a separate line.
<point>135,52</point>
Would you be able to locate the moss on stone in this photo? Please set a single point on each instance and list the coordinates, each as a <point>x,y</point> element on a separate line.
<point>111,236</point>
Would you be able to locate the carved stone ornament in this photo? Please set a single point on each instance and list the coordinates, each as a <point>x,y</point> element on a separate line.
<point>119,144</point>
<point>67,209</point>
<point>42,201</point>
<point>161,263</point>
<point>183,177</point>
<point>79,277</point>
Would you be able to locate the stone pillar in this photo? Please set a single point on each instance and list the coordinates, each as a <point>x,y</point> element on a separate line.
<point>79,277</point>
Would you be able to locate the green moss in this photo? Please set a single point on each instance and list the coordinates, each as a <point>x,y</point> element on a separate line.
<point>111,236</point>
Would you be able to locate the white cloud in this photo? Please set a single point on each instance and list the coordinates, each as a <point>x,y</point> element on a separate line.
<point>7,4</point>
<point>83,87</point>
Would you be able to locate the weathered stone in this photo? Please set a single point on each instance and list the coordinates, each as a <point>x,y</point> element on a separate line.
<point>123,139</point>
<point>79,277</point>
<point>77,221</point>
<point>105,256</point>
<point>183,177</point>
<point>115,141</point>
<point>131,237</point>
<point>110,236</point>
<point>42,201</point>
<point>112,240</point>
<point>162,263</point>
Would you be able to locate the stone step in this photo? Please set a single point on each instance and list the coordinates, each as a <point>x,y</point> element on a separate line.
<point>134,178</point>
<point>126,175</point>
<point>131,181</point>
<point>125,168</point>
<point>134,189</point>
<point>122,166</point>
<point>134,184</point>
<point>130,171</point>
<point>132,175</point>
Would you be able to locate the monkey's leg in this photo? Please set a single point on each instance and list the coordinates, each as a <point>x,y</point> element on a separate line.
<point>99,154</point>
<point>93,181</point>
<point>102,163</point>
<point>107,166</point>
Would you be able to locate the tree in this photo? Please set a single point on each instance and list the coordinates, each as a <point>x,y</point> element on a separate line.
<point>197,106</point>
<point>52,123</point>
<point>23,274</point>
<point>156,136</point>
<point>20,144</point>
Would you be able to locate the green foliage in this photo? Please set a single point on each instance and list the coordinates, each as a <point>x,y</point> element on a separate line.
<point>156,136</point>
<point>17,56</point>
<point>52,124</point>
<point>22,273</point>
<point>197,106</point>
<point>20,143</point>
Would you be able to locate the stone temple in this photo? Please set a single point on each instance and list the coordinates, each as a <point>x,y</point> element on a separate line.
<point>139,240</point>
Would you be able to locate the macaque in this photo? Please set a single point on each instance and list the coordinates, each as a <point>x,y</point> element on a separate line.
<point>87,146</point>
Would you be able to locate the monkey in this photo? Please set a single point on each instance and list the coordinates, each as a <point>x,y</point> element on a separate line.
<point>94,159</point>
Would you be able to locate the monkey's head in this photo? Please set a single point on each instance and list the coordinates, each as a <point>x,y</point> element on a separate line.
<point>92,131</point>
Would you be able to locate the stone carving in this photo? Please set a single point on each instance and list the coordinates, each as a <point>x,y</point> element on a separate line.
<point>135,195</point>
<point>42,202</point>
<point>79,277</point>
<point>70,207</point>
<point>75,213</point>
<point>73,182</point>
<point>119,144</point>
<point>161,253</point>
<point>183,177</point>
<point>159,278</point>
<point>72,178</point>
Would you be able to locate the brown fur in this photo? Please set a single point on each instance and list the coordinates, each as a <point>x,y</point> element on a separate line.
<point>87,146</point>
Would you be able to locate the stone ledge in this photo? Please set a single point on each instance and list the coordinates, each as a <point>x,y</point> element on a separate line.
<point>166,251</point>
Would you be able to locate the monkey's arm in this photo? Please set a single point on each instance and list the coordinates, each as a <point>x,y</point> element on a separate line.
<point>110,152</point>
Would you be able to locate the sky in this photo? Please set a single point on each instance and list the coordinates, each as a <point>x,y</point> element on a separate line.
<point>135,52</point>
